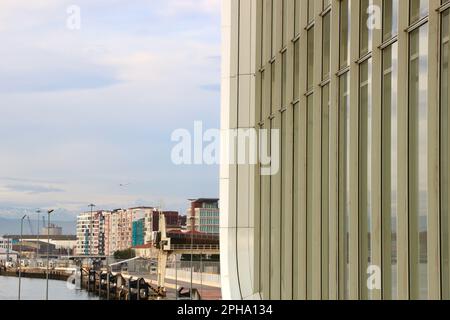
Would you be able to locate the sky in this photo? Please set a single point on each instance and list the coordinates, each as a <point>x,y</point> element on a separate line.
<point>86,115</point>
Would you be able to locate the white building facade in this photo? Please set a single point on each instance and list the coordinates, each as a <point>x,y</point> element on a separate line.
<point>358,93</point>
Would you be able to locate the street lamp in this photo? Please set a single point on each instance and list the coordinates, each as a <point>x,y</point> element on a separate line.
<point>38,211</point>
<point>48,251</point>
<point>20,253</point>
<point>192,250</point>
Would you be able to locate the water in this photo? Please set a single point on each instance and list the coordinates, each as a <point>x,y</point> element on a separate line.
<point>34,289</point>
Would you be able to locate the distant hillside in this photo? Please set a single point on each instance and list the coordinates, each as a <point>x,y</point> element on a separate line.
<point>12,226</point>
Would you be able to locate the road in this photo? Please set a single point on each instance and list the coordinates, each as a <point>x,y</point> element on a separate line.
<point>206,292</point>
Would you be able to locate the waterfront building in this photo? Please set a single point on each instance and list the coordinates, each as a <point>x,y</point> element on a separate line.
<point>203,215</point>
<point>5,243</point>
<point>7,256</point>
<point>152,223</point>
<point>107,229</point>
<point>91,233</point>
<point>63,244</point>
<point>105,232</point>
<point>120,236</point>
<point>140,225</point>
<point>30,248</point>
<point>354,95</point>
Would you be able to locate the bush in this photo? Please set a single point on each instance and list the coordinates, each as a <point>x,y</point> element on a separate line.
<point>124,254</point>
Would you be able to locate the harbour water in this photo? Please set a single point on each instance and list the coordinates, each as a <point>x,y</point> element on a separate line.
<point>34,289</point>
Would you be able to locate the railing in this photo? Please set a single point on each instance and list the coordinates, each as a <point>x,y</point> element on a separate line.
<point>195,247</point>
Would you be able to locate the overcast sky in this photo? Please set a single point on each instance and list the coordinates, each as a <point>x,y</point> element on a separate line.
<point>84,111</point>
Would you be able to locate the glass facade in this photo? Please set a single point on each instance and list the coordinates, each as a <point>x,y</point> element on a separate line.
<point>418,161</point>
<point>389,169</point>
<point>365,170</point>
<point>344,32</point>
<point>363,197</point>
<point>445,155</point>
<point>344,185</point>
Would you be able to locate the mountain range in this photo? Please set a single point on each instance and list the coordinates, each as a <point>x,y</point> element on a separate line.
<point>12,226</point>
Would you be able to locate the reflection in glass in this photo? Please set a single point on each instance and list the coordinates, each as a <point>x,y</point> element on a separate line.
<point>417,9</point>
<point>325,187</point>
<point>326,46</point>
<point>297,5</point>
<point>344,29</point>
<point>310,59</point>
<point>309,190</point>
<point>273,92</point>
<point>445,158</point>
<point>365,176</point>
<point>283,80</point>
<point>418,161</point>
<point>390,18</point>
<point>311,10</point>
<point>365,41</point>
<point>344,186</point>
<point>296,70</point>
<point>389,169</point>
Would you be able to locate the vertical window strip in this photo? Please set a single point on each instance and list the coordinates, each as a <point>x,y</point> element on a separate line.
<point>418,161</point>
<point>445,156</point>
<point>389,170</point>
<point>365,174</point>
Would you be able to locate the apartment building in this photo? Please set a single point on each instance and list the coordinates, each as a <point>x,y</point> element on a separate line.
<point>105,232</point>
<point>91,233</point>
<point>203,215</point>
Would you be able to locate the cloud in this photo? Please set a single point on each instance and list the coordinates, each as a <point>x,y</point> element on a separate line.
<point>33,189</point>
<point>49,70</point>
<point>183,7</point>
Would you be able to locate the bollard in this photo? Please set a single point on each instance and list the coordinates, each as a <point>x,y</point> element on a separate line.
<point>138,290</point>
<point>108,287</point>
<point>100,284</point>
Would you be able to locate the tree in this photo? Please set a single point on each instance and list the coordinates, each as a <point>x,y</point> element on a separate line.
<point>124,254</point>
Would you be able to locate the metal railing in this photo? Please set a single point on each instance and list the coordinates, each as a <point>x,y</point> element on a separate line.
<point>198,247</point>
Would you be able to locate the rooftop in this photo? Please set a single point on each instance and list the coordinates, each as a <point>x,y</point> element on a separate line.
<point>208,200</point>
<point>34,237</point>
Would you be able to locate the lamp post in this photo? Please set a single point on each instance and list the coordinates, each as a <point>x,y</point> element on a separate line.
<point>20,253</point>
<point>192,251</point>
<point>48,251</point>
<point>8,241</point>
<point>38,211</point>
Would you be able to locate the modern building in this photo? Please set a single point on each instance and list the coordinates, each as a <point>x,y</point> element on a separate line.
<point>138,232</point>
<point>62,244</point>
<point>354,96</point>
<point>53,230</point>
<point>203,215</point>
<point>152,223</point>
<point>29,249</point>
